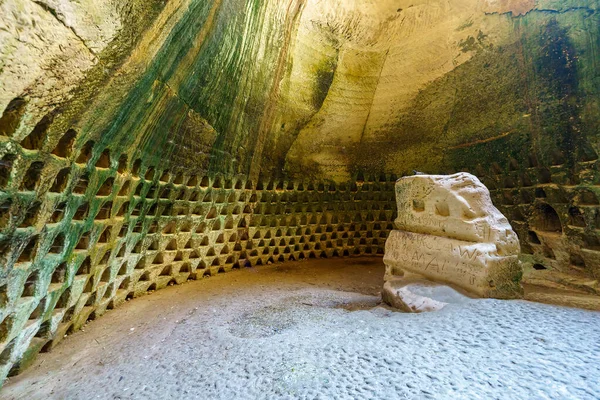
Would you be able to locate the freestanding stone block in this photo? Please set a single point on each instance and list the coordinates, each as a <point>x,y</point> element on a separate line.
<point>449,231</point>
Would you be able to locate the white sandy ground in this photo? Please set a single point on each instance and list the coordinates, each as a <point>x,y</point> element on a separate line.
<point>286,332</point>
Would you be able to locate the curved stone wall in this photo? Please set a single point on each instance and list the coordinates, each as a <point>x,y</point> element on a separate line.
<point>129,132</point>
<point>82,232</point>
<point>303,88</point>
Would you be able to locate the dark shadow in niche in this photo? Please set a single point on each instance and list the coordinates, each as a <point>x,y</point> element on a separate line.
<point>60,273</point>
<point>63,301</point>
<point>154,245</point>
<point>30,286</point>
<point>5,213</point>
<point>540,193</point>
<point>138,189</point>
<point>546,219</point>
<point>59,213</point>
<point>123,269</point>
<point>106,188</point>
<point>587,153</point>
<point>150,172</point>
<point>105,210</point>
<point>544,176</point>
<point>64,147</point>
<point>44,331</point>
<point>587,197</point>
<point>178,179</point>
<point>577,261</point>
<point>123,209</point>
<point>576,217</point>
<point>124,285</point>
<point>532,161</point>
<point>526,197</point>
<point>6,164</point>
<point>35,140</point>
<point>105,235</point>
<point>60,182</point>
<point>124,191</point>
<point>152,191</point>
<point>123,230</point>
<point>104,160</point>
<point>533,238</point>
<point>548,252</point>
<point>137,210</point>
<point>32,176</point>
<point>31,215</point>
<point>82,212</point>
<point>84,241</point>
<point>165,176</point>
<point>11,117</point>
<point>105,258</point>
<point>29,252</point>
<point>135,170</point>
<point>82,184</point>
<point>193,182</point>
<point>86,153</point>
<point>105,275</point>
<point>58,244</point>
<point>122,166</point>
<point>85,267</point>
<point>557,157</point>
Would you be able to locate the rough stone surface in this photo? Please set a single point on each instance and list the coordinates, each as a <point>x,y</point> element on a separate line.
<point>285,331</point>
<point>453,206</point>
<point>403,295</point>
<point>161,99</point>
<point>102,233</point>
<point>307,87</point>
<point>448,230</point>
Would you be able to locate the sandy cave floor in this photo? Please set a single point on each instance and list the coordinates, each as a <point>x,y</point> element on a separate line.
<point>314,330</point>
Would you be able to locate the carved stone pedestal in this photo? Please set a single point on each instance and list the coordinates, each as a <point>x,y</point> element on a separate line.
<point>449,231</point>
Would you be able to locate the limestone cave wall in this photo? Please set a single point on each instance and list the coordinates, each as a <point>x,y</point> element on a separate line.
<point>148,142</point>
<point>306,88</point>
<point>82,237</point>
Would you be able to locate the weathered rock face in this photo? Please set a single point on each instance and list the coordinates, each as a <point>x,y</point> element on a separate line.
<point>416,294</point>
<point>401,295</point>
<point>455,206</point>
<point>448,230</point>
<point>128,125</point>
<point>306,87</point>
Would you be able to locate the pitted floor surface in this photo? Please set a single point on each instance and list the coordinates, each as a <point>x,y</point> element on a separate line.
<point>314,330</point>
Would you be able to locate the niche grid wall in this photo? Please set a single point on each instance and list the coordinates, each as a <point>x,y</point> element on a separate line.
<point>555,210</point>
<point>82,231</point>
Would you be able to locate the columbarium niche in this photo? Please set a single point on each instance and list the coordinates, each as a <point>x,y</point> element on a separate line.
<point>152,144</point>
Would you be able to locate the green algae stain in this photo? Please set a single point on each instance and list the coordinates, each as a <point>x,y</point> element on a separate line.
<point>149,106</point>
<point>465,25</point>
<point>480,99</point>
<point>323,80</point>
<point>136,20</point>
<point>520,100</point>
<point>220,81</point>
<point>556,72</point>
<point>472,43</point>
<point>205,67</point>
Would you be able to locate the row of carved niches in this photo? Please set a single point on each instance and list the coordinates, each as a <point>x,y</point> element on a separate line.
<point>79,235</point>
<point>555,210</point>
